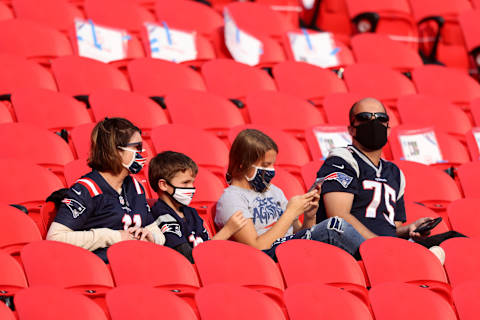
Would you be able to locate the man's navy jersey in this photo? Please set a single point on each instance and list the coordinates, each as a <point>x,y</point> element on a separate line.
<point>178,230</point>
<point>92,203</point>
<point>378,191</point>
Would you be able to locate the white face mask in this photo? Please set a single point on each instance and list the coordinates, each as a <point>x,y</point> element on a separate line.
<point>182,195</point>
<point>137,162</point>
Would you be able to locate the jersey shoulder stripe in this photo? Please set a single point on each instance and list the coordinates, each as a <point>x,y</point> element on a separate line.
<point>138,187</point>
<point>347,156</point>
<point>91,186</point>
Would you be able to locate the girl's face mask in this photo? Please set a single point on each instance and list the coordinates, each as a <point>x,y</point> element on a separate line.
<point>261,178</point>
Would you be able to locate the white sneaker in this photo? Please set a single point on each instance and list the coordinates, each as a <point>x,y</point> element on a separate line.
<point>439,253</point>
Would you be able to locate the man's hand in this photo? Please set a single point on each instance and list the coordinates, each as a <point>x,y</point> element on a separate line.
<point>415,225</point>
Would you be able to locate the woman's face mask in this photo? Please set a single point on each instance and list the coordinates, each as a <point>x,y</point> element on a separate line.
<point>137,162</point>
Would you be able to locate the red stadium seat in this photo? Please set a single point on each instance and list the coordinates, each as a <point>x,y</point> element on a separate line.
<point>28,185</point>
<point>55,112</point>
<point>475,109</point>
<point>396,301</point>
<point>143,112</point>
<point>5,12</point>
<point>291,154</point>
<point>382,82</point>
<point>288,183</point>
<point>39,146</point>
<point>450,48</point>
<point>327,264</point>
<point>81,139</point>
<point>145,302</point>
<point>12,278</point>
<point>469,24</point>
<point>282,111</point>
<point>313,300</point>
<point>427,185</point>
<point>32,40</point>
<point>154,266</point>
<point>307,81</point>
<point>448,83</point>
<point>466,298</point>
<point>22,230</point>
<point>464,218</point>
<point>391,17</point>
<point>381,49</point>
<point>462,260</point>
<point>337,105</point>
<point>472,144</point>
<point>154,77</point>
<point>126,14</point>
<point>6,313</point>
<point>416,211</point>
<point>209,190</point>
<point>221,261</point>
<point>194,16</point>
<point>425,110</point>
<point>58,14</point>
<point>258,19</point>
<point>234,80</point>
<point>453,152</point>
<point>468,174</point>
<point>44,302</point>
<point>309,172</point>
<point>385,261</point>
<point>227,301</point>
<point>5,114</point>
<point>66,266</point>
<point>81,76</point>
<point>203,110</point>
<point>17,72</point>
<point>203,147</point>
<point>329,15</point>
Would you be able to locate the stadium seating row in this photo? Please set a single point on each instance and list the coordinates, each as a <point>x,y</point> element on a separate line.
<point>386,260</point>
<point>439,33</point>
<point>222,301</point>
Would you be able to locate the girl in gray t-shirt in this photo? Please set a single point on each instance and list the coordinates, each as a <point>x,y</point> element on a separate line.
<point>272,219</point>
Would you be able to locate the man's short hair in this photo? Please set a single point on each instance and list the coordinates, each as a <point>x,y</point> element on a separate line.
<point>166,165</point>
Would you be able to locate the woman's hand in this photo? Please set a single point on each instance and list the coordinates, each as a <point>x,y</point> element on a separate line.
<point>136,233</point>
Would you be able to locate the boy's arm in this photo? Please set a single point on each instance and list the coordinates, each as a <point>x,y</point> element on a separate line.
<point>235,223</point>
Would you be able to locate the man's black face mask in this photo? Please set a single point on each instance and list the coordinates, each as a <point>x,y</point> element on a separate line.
<point>371,134</point>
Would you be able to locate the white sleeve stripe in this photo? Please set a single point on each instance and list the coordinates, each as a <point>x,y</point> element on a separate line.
<point>91,185</point>
<point>137,186</point>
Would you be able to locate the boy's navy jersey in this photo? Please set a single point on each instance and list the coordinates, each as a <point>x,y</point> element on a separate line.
<point>378,191</point>
<point>92,203</point>
<point>178,230</point>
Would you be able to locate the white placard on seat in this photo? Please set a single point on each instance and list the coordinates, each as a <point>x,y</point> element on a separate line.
<point>243,47</point>
<point>171,44</point>
<point>314,48</point>
<point>476,135</point>
<point>420,146</point>
<point>329,138</point>
<point>99,42</point>
<point>308,4</point>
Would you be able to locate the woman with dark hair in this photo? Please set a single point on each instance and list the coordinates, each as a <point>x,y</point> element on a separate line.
<point>108,205</point>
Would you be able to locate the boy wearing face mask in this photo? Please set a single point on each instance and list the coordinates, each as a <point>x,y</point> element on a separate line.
<point>171,176</point>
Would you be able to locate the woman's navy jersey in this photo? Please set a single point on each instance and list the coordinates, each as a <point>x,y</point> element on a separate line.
<point>92,203</point>
<point>178,230</point>
<point>378,191</point>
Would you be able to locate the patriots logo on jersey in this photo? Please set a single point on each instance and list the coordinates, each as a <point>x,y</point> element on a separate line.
<point>173,228</point>
<point>340,177</point>
<point>75,207</point>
